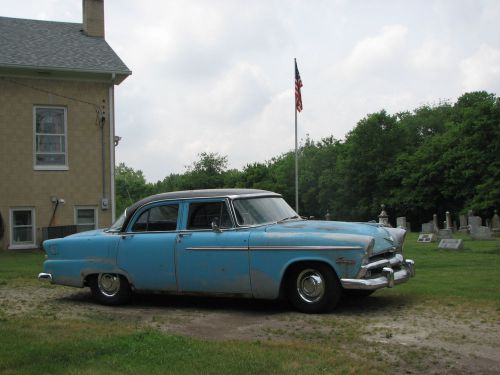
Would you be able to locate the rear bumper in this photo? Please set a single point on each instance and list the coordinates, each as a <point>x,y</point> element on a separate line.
<point>45,277</point>
<point>389,272</point>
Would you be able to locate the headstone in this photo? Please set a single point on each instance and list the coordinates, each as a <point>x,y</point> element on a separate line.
<point>480,233</point>
<point>427,228</point>
<point>463,224</point>
<point>328,217</point>
<point>444,234</point>
<point>474,223</point>
<point>426,237</point>
<point>383,218</point>
<point>448,220</point>
<point>435,226</point>
<point>495,224</point>
<point>454,244</point>
<point>401,222</point>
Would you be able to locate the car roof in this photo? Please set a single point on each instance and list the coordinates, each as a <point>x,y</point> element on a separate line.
<point>191,194</point>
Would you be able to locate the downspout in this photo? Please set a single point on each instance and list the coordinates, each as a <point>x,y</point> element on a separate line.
<point>111,111</point>
<point>102,121</point>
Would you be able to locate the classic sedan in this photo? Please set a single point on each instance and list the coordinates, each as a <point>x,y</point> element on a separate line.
<point>234,242</point>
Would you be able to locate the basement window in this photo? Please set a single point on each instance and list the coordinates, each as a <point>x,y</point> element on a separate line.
<point>50,138</point>
<point>22,225</point>
<point>85,218</point>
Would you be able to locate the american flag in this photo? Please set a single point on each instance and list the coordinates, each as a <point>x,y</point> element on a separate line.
<point>298,85</point>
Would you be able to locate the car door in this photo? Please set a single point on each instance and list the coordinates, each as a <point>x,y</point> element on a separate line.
<point>146,250</point>
<point>210,259</point>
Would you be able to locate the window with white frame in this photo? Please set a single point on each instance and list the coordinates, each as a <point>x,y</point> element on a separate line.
<point>50,138</point>
<point>85,218</point>
<point>22,227</point>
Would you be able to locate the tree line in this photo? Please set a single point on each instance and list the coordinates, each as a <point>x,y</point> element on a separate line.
<point>436,158</point>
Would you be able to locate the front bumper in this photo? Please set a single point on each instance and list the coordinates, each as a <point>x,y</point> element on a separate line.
<point>45,277</point>
<point>388,272</point>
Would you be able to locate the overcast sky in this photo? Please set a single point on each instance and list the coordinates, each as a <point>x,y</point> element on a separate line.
<point>217,76</point>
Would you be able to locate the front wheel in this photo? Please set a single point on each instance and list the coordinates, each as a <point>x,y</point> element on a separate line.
<point>110,288</point>
<point>313,288</point>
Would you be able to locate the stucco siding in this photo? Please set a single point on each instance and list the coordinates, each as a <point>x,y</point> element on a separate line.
<point>81,184</point>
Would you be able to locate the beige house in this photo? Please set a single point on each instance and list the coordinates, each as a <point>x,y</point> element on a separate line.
<point>57,127</point>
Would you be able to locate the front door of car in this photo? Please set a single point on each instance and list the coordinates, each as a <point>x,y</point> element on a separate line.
<point>146,250</point>
<point>211,255</point>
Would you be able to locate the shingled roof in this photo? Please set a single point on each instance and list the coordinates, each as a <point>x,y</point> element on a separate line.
<point>56,46</point>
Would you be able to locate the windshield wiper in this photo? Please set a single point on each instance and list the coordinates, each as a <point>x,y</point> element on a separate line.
<point>287,218</point>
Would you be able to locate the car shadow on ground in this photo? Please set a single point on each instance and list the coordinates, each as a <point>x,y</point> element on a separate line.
<point>371,304</point>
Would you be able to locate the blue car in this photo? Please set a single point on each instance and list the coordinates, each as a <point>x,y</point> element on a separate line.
<point>233,242</point>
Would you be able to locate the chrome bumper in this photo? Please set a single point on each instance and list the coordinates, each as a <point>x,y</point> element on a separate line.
<point>45,277</point>
<point>389,277</point>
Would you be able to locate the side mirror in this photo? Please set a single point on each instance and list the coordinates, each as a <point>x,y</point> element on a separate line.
<point>215,226</point>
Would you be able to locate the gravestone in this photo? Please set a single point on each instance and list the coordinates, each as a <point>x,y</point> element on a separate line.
<point>426,237</point>
<point>401,222</point>
<point>448,220</point>
<point>474,223</point>
<point>435,226</point>
<point>444,234</point>
<point>495,224</point>
<point>383,218</point>
<point>328,217</point>
<point>480,233</point>
<point>427,228</point>
<point>453,244</point>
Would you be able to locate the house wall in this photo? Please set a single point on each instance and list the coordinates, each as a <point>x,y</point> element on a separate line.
<point>81,184</point>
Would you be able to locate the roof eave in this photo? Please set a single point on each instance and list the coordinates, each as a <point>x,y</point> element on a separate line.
<point>115,76</point>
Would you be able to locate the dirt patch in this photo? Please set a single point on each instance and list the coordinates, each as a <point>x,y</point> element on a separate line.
<point>417,337</point>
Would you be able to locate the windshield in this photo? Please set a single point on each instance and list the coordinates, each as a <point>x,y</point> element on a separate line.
<point>117,225</point>
<point>255,211</point>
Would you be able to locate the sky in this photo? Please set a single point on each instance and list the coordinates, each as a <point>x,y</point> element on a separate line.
<point>218,75</point>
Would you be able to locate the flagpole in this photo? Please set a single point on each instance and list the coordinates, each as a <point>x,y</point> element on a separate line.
<point>296,154</point>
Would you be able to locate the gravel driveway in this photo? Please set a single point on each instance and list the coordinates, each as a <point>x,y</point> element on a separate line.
<point>413,336</point>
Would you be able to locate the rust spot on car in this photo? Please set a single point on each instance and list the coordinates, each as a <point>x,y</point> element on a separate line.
<point>342,260</point>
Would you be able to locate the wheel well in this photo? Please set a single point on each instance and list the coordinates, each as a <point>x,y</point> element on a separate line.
<point>86,279</point>
<point>293,266</point>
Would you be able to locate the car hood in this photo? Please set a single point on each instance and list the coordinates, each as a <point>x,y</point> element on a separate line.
<point>89,233</point>
<point>385,238</point>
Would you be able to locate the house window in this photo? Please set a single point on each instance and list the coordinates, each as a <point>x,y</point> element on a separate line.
<point>50,139</point>
<point>85,218</point>
<point>22,226</point>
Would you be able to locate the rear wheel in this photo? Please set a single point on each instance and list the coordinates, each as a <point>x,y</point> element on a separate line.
<point>110,288</point>
<point>313,288</point>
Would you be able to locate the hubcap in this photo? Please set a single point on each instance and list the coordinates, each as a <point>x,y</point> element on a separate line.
<point>109,284</point>
<point>310,285</point>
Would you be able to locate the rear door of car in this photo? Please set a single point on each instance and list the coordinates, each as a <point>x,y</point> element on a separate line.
<point>212,260</point>
<point>146,250</point>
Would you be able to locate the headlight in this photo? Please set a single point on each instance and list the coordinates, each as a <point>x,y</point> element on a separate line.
<point>398,235</point>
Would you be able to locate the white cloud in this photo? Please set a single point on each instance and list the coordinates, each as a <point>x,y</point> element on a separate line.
<point>374,50</point>
<point>481,71</point>
<point>431,55</point>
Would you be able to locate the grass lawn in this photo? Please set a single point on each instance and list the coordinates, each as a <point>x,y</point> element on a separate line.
<point>36,342</point>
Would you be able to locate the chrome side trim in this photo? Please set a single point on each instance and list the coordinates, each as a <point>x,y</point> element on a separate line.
<point>45,277</point>
<point>218,248</point>
<point>272,248</point>
<point>294,248</point>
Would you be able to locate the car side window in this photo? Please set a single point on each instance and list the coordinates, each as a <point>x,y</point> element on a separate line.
<point>157,219</point>
<point>201,215</point>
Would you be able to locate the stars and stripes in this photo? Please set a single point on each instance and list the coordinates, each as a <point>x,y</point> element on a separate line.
<point>298,85</point>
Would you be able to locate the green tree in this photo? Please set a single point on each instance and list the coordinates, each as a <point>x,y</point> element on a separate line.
<point>130,186</point>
